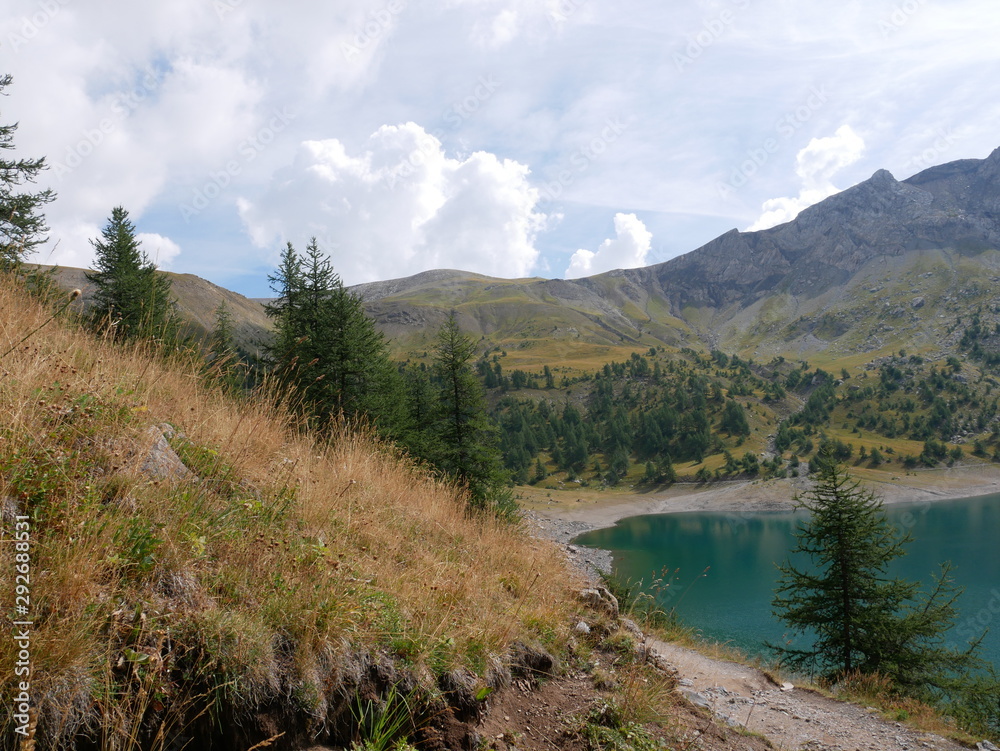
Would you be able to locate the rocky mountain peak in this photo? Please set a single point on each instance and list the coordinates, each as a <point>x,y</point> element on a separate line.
<point>945,206</point>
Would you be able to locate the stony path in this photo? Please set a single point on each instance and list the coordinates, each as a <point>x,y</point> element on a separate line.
<point>791,718</point>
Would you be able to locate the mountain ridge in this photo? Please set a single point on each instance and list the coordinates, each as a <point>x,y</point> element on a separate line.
<point>797,288</point>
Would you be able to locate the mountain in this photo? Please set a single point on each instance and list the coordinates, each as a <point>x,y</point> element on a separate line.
<point>198,300</point>
<point>868,268</point>
<point>881,265</point>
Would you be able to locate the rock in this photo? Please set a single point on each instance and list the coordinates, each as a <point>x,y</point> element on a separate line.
<point>600,598</point>
<point>161,461</point>
<point>582,628</point>
<point>661,663</point>
<point>917,302</point>
<point>632,627</point>
<point>9,509</point>
<point>697,699</point>
<point>787,686</point>
<point>986,746</point>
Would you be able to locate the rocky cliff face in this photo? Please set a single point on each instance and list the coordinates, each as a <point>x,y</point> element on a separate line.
<point>955,205</point>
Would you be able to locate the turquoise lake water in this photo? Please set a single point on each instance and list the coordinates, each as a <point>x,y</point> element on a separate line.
<point>722,565</point>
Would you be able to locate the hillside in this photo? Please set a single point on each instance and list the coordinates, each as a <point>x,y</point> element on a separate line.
<point>200,572</point>
<point>194,572</point>
<point>884,295</point>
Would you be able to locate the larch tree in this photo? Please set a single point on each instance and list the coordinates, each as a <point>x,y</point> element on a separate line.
<point>858,617</point>
<point>468,439</point>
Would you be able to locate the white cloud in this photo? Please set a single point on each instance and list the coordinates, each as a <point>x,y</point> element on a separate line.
<point>162,251</point>
<point>400,207</point>
<point>816,165</point>
<point>69,245</point>
<point>500,22</point>
<point>628,250</point>
<point>563,69</point>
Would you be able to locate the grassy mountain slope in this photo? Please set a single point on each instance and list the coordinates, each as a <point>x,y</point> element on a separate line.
<point>870,270</point>
<point>197,301</point>
<point>255,590</point>
<point>802,289</point>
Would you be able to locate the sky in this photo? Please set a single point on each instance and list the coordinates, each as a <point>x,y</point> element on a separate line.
<point>513,138</point>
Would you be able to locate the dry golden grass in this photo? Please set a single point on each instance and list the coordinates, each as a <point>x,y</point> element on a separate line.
<point>876,690</point>
<point>285,557</point>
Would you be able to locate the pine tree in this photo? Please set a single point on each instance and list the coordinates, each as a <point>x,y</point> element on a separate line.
<point>22,227</point>
<point>229,365</point>
<point>469,440</point>
<point>863,620</point>
<point>132,300</point>
<point>287,283</point>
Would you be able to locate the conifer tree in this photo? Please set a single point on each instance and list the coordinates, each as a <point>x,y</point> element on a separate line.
<point>223,340</point>
<point>287,282</point>
<point>22,227</point>
<point>229,365</point>
<point>132,300</point>
<point>469,440</point>
<point>863,620</point>
<point>327,348</point>
<point>734,419</point>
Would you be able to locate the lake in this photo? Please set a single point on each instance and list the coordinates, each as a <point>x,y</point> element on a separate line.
<point>721,565</point>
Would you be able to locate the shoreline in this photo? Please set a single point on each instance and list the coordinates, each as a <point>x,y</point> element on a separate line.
<point>563,514</point>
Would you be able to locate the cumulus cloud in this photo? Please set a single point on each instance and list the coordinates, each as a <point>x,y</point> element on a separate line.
<point>816,165</point>
<point>401,206</point>
<point>628,250</point>
<point>162,251</point>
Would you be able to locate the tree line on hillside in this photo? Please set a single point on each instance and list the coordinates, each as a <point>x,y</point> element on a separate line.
<point>641,416</point>
<point>644,417</point>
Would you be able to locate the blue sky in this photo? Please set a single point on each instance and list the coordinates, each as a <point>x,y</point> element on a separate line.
<point>553,138</point>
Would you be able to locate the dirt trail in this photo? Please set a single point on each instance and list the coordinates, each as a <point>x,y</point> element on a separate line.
<point>791,718</point>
